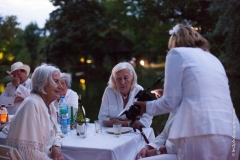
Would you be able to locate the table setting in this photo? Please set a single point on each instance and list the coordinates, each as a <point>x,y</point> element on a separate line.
<point>105,144</point>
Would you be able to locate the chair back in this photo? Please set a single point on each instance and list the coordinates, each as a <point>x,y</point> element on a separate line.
<point>10,153</point>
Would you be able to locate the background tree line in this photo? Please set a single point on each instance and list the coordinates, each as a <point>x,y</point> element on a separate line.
<point>109,31</point>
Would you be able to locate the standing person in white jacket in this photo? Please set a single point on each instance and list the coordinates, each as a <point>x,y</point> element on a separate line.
<point>196,89</point>
<point>18,89</point>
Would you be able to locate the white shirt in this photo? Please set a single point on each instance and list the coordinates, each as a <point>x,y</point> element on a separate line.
<point>9,95</point>
<point>72,100</point>
<point>112,105</point>
<point>162,138</point>
<point>196,84</point>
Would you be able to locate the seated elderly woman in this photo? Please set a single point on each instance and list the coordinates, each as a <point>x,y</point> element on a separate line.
<point>70,96</point>
<point>34,131</point>
<point>119,95</point>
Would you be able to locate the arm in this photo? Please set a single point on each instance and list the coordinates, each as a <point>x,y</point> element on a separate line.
<point>8,96</point>
<point>146,120</point>
<point>172,96</point>
<point>104,109</point>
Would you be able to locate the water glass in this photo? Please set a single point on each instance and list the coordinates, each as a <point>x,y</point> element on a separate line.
<point>98,126</point>
<point>82,130</point>
<point>117,129</point>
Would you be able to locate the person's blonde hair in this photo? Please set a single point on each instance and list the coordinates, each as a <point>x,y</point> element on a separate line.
<point>186,36</point>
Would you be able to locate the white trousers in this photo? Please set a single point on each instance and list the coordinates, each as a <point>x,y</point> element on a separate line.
<point>210,147</point>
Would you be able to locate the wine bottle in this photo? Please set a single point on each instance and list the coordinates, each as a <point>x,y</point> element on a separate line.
<point>80,119</point>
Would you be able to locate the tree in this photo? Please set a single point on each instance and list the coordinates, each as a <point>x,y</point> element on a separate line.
<point>75,30</point>
<point>9,33</point>
<point>227,33</point>
<point>32,38</point>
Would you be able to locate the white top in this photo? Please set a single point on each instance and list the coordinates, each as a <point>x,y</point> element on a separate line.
<point>196,84</point>
<point>162,138</point>
<point>112,105</point>
<point>9,95</point>
<point>33,130</point>
<point>72,100</point>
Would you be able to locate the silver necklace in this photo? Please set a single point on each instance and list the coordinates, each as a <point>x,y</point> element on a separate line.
<point>124,97</point>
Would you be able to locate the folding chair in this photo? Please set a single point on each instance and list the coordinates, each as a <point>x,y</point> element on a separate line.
<point>10,153</point>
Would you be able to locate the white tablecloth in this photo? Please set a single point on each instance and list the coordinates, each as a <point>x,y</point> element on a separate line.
<point>104,146</point>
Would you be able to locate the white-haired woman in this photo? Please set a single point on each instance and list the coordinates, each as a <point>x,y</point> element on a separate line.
<point>34,131</point>
<point>70,95</point>
<point>119,95</point>
<point>196,89</point>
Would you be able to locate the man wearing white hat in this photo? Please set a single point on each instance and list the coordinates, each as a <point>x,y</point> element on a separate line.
<point>18,89</point>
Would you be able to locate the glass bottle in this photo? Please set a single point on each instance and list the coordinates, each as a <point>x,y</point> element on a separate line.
<point>80,118</point>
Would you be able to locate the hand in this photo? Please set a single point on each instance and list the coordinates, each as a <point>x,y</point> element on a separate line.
<point>158,92</point>
<point>18,99</point>
<point>111,122</point>
<point>57,153</point>
<point>137,124</point>
<point>143,107</point>
<point>147,151</point>
<point>141,154</point>
<point>16,81</point>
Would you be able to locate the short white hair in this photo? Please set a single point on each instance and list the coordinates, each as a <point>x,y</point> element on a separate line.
<point>120,66</point>
<point>67,78</point>
<point>42,76</point>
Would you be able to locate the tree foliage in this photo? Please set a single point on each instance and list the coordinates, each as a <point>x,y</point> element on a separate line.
<point>9,33</point>
<point>32,38</point>
<point>227,33</point>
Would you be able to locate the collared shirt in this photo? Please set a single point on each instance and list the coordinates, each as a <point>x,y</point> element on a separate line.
<point>9,95</point>
<point>112,105</point>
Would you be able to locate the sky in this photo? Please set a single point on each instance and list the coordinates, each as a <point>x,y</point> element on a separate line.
<point>27,11</point>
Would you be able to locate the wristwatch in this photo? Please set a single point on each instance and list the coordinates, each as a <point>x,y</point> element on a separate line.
<point>158,151</point>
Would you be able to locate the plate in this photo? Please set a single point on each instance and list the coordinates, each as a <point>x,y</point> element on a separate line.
<point>124,130</point>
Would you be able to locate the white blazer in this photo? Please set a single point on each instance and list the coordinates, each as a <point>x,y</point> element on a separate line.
<point>196,84</point>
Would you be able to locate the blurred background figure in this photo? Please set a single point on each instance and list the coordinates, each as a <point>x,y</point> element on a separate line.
<point>119,95</point>
<point>18,89</point>
<point>34,131</point>
<point>70,96</point>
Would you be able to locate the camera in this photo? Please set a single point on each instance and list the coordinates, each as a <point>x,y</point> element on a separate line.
<point>134,110</point>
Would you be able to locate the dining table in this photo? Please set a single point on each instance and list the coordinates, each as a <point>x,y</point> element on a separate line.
<point>104,145</point>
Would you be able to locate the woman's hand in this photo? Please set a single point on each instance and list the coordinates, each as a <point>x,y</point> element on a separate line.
<point>143,107</point>
<point>158,92</point>
<point>57,153</point>
<point>147,151</point>
<point>137,124</point>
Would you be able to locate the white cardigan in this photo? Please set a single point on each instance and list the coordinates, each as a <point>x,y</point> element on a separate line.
<point>196,84</point>
<point>33,131</point>
<point>112,105</point>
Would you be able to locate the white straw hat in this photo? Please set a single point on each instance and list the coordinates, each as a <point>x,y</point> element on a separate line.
<point>19,65</point>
